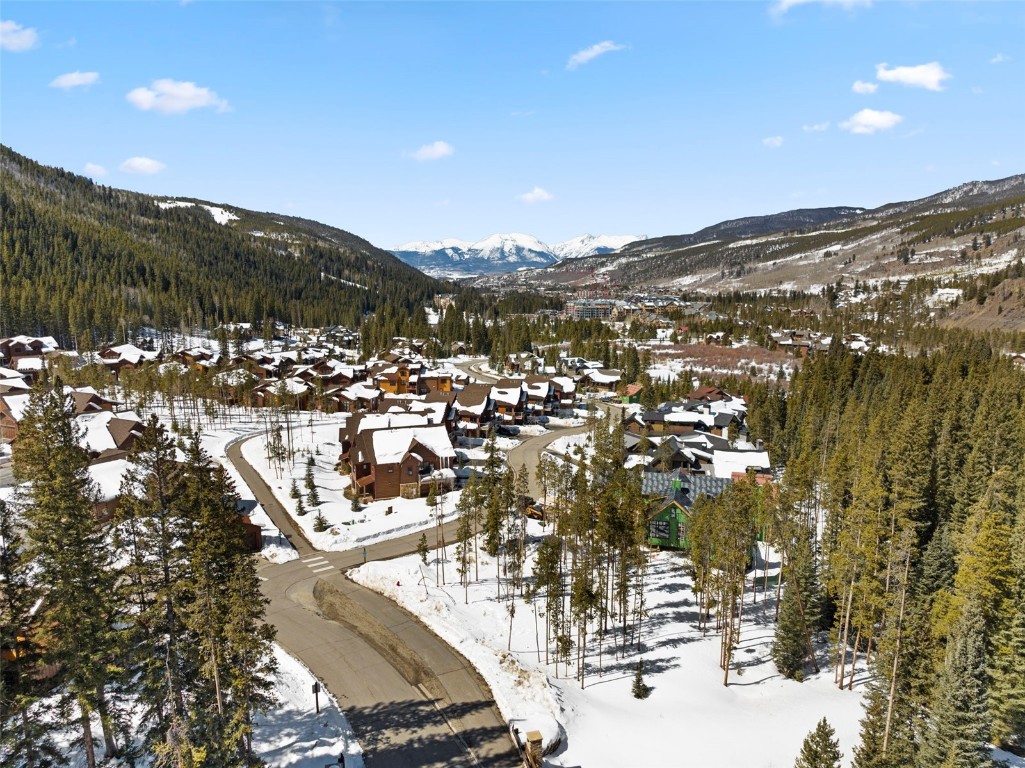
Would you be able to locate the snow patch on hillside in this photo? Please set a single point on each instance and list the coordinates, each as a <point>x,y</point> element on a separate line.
<point>221,215</point>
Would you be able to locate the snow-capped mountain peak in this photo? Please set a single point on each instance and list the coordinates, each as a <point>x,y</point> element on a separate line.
<point>503,252</point>
<point>592,245</point>
<point>426,246</point>
<point>513,247</point>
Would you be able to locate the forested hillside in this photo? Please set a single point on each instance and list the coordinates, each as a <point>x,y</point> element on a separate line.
<point>85,263</point>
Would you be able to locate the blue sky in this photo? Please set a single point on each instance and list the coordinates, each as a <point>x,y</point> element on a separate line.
<point>408,121</point>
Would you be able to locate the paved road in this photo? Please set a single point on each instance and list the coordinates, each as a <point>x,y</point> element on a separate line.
<point>528,454</point>
<point>411,699</point>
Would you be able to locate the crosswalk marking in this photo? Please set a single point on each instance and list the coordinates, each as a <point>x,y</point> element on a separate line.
<point>313,559</point>
<point>326,568</point>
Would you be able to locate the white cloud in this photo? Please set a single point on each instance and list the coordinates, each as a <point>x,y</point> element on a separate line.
<point>536,195</point>
<point>589,54</point>
<point>435,151</point>
<point>999,59</point>
<point>929,76</point>
<point>870,121</point>
<point>75,80</point>
<point>16,38</point>
<point>773,142</point>
<point>92,169</point>
<point>782,6</point>
<point>144,165</point>
<point>175,97</point>
<point>860,86</point>
<point>816,126</point>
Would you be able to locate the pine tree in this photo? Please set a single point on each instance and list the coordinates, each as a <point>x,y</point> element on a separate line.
<point>640,689</point>
<point>820,749</point>
<point>985,573</point>
<point>249,659</point>
<point>320,523</point>
<point>313,497</point>
<point>25,728</point>
<point>788,649</point>
<point>798,611</point>
<point>70,552</point>
<point>1007,693</point>
<point>958,730</point>
<point>293,492</point>
<point>151,532</point>
<point>225,616</point>
<point>422,549</point>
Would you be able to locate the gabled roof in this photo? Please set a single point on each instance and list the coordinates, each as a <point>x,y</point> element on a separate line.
<point>684,488</point>
<point>390,446</point>
<point>473,397</point>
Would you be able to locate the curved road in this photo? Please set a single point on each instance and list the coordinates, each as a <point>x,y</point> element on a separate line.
<point>411,699</point>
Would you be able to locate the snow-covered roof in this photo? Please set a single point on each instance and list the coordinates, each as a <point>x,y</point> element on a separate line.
<point>391,445</point>
<point>567,384</point>
<point>600,377</point>
<point>108,476</point>
<point>690,417</point>
<point>30,363</point>
<point>360,391</point>
<point>96,434</point>
<point>49,343</point>
<point>132,354</point>
<point>236,377</point>
<point>392,421</point>
<point>506,395</point>
<point>435,411</point>
<point>17,404</point>
<point>537,388</point>
<point>725,463</point>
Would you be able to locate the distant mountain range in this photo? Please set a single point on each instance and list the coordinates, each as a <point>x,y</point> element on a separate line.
<point>806,249</point>
<point>503,253</point>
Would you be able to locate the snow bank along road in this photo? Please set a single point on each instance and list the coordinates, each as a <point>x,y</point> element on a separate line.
<point>411,699</point>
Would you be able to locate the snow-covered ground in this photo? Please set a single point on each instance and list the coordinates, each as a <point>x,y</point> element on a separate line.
<point>215,437</point>
<point>376,521</point>
<point>290,735</point>
<point>760,719</point>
